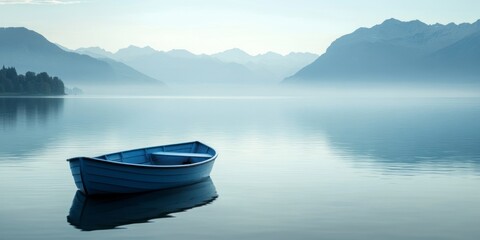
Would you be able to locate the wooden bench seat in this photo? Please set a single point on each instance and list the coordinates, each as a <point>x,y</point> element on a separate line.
<point>182,154</point>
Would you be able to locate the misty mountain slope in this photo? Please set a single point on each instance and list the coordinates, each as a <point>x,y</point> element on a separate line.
<point>464,52</point>
<point>182,53</point>
<point>132,52</point>
<point>233,55</point>
<point>270,63</point>
<point>27,50</point>
<point>462,58</point>
<point>395,50</point>
<point>180,66</point>
<point>175,69</point>
<point>95,52</point>
<point>123,71</point>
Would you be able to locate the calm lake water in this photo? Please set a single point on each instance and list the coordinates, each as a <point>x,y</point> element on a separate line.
<point>288,168</point>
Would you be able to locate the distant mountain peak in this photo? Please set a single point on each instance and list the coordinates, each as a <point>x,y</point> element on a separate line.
<point>271,54</point>
<point>13,37</point>
<point>133,51</point>
<point>236,51</point>
<point>18,29</point>
<point>94,49</point>
<point>28,50</point>
<point>395,23</point>
<point>182,53</point>
<point>392,21</point>
<point>302,54</point>
<point>22,33</point>
<point>389,29</point>
<point>96,52</point>
<point>234,55</point>
<point>133,48</point>
<point>397,48</point>
<point>137,47</point>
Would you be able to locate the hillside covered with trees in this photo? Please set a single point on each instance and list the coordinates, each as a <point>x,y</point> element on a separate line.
<point>30,83</point>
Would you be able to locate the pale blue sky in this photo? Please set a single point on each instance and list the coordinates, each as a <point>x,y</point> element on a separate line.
<point>209,26</point>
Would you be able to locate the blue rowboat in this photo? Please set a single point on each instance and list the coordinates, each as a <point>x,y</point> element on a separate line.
<point>142,170</point>
<point>90,213</point>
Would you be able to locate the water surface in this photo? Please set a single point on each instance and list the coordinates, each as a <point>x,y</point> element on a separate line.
<point>288,167</point>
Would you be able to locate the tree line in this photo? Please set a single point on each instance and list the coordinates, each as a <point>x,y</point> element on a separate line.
<point>30,83</point>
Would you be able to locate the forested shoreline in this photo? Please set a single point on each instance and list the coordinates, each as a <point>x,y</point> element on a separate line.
<point>12,83</point>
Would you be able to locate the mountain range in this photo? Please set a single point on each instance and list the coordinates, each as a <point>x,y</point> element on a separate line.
<point>399,51</point>
<point>393,51</point>
<point>278,65</point>
<point>180,66</point>
<point>27,50</point>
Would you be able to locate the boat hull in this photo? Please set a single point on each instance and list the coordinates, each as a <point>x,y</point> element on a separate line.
<point>95,176</point>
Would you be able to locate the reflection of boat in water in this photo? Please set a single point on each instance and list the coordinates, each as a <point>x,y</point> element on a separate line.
<point>105,212</point>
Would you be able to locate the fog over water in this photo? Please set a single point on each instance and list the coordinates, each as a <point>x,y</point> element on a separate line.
<point>334,163</point>
<point>329,90</point>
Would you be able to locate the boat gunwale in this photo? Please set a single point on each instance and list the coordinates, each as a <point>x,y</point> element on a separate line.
<point>151,166</point>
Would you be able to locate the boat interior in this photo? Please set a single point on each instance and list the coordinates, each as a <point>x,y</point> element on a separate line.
<point>175,154</point>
